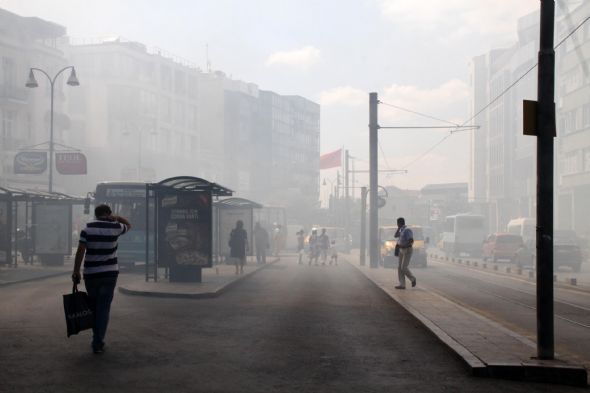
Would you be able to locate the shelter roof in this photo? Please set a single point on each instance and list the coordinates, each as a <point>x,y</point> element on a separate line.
<point>21,195</point>
<point>189,183</point>
<point>238,203</point>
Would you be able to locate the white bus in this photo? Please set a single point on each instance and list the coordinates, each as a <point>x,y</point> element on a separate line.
<point>463,234</point>
<point>524,227</point>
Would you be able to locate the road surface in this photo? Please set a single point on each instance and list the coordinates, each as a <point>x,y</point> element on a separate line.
<point>288,328</point>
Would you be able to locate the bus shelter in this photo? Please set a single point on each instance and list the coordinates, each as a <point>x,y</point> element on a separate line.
<point>35,223</point>
<point>226,213</point>
<point>179,219</point>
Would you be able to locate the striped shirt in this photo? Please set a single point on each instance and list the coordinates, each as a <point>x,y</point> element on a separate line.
<point>100,238</point>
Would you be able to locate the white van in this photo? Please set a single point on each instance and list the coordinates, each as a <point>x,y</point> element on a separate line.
<point>526,228</point>
<point>463,234</point>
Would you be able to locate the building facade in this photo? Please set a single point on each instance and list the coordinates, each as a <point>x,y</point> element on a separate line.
<point>27,42</point>
<point>573,123</point>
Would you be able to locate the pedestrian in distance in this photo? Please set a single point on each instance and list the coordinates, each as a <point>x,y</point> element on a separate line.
<point>97,248</point>
<point>300,245</point>
<point>333,254</point>
<point>314,251</point>
<point>324,242</point>
<point>261,242</point>
<point>238,245</point>
<point>405,239</point>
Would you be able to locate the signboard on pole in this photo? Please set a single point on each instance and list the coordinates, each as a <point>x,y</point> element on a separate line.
<point>52,228</point>
<point>71,163</point>
<point>227,222</point>
<point>30,162</point>
<point>184,228</point>
<point>4,233</point>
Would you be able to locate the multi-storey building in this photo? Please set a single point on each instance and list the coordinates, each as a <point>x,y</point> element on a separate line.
<point>502,156</point>
<point>27,42</point>
<point>143,108</point>
<point>573,123</point>
<point>502,159</point>
<point>290,150</point>
<point>143,114</point>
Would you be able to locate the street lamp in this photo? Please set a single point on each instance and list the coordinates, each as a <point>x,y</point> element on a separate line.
<point>32,83</point>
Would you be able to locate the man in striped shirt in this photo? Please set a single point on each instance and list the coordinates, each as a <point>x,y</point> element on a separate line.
<point>98,249</point>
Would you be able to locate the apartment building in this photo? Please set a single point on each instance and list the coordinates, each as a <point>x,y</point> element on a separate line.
<point>27,42</point>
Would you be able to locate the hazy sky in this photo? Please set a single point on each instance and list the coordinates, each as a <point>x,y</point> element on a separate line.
<point>415,54</point>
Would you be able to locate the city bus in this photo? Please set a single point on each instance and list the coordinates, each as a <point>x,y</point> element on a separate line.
<point>126,199</point>
<point>463,234</point>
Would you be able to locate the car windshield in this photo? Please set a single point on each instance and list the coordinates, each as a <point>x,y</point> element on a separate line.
<point>388,233</point>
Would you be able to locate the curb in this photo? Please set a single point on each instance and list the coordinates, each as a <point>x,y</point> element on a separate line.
<point>555,372</point>
<point>26,280</point>
<point>204,295</point>
<point>508,271</point>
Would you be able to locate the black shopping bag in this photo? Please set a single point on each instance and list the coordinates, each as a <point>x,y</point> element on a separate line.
<point>79,314</point>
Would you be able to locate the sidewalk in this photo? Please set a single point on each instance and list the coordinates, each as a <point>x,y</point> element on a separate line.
<point>25,273</point>
<point>215,281</point>
<point>487,348</point>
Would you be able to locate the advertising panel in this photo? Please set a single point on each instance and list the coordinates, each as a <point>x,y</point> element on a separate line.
<point>184,229</point>
<point>70,163</point>
<point>4,233</point>
<point>30,162</point>
<point>52,229</point>
<point>227,222</point>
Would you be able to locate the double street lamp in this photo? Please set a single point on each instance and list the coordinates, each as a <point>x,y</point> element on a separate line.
<point>32,83</point>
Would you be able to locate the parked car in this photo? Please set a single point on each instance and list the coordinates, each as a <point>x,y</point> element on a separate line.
<point>502,246</point>
<point>388,242</point>
<point>566,250</point>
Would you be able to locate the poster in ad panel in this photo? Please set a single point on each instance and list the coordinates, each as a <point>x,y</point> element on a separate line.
<point>184,229</point>
<point>227,222</point>
<point>52,229</point>
<point>4,233</point>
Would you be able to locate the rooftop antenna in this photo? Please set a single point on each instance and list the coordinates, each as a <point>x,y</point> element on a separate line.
<point>208,65</point>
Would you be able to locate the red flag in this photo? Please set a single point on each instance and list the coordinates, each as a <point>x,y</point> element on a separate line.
<point>331,160</point>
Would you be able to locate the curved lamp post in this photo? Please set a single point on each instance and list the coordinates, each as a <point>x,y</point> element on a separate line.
<point>32,83</point>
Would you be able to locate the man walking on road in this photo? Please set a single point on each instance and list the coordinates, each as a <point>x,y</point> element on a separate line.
<point>98,249</point>
<point>405,239</point>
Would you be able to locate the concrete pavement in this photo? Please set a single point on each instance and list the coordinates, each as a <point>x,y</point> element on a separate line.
<point>486,347</point>
<point>25,273</point>
<point>288,328</point>
<point>215,281</point>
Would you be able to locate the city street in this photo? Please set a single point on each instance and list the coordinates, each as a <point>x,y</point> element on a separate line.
<point>286,328</point>
<point>511,301</point>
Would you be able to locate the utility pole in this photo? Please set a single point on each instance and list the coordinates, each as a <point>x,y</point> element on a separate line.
<point>545,134</point>
<point>373,182</point>
<point>363,225</point>
<point>346,195</point>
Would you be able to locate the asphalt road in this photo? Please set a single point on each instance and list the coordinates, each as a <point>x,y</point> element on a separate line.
<point>288,328</point>
<point>512,302</point>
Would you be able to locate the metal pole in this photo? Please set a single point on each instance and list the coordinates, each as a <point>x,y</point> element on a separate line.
<point>346,196</point>
<point>545,133</point>
<point>52,84</point>
<point>353,180</point>
<point>373,182</point>
<point>363,251</point>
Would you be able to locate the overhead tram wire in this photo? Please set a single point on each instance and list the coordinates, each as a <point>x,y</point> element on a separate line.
<point>495,98</point>
<point>418,113</point>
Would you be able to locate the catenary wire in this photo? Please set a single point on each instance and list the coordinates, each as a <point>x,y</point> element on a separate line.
<point>497,97</point>
<point>417,113</point>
